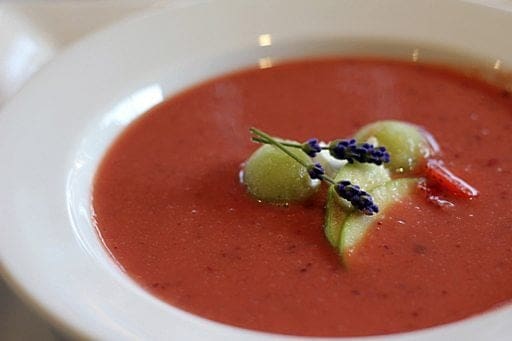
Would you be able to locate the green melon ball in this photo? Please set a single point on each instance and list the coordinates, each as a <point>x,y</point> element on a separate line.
<point>407,145</point>
<point>272,176</point>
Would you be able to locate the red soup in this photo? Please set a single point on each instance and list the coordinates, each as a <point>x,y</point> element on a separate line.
<point>170,208</point>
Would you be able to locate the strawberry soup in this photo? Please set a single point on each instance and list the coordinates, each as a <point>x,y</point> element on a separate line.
<point>170,208</point>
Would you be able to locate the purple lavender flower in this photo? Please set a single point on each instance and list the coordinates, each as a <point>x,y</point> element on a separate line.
<point>361,152</point>
<point>357,197</point>
<point>316,171</point>
<point>311,147</point>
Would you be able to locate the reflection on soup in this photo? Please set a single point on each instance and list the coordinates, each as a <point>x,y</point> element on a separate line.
<point>171,210</point>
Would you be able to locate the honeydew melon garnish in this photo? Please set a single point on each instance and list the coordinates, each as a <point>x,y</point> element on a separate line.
<point>273,176</point>
<point>409,144</point>
<point>370,177</point>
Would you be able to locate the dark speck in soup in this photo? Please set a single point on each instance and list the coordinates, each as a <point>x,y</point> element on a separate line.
<point>171,210</point>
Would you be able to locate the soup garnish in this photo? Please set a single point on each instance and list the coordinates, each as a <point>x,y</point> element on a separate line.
<point>278,172</point>
<point>407,143</point>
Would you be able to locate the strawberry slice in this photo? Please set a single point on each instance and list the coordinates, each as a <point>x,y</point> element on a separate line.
<point>437,173</point>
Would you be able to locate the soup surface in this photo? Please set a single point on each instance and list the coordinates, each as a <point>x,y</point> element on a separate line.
<point>170,208</point>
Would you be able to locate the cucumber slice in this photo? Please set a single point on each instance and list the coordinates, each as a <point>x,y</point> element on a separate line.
<point>357,225</point>
<point>272,176</point>
<point>407,144</point>
<point>365,175</point>
<point>335,215</point>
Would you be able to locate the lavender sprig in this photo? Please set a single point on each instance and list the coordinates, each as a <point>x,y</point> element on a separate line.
<point>360,199</point>
<point>267,139</point>
<point>357,197</point>
<point>348,150</point>
<point>316,172</point>
<point>361,152</point>
<point>311,147</point>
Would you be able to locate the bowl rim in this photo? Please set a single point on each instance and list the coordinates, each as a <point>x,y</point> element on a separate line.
<point>15,113</point>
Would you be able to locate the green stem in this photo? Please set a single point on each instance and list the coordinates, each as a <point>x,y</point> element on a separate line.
<point>328,179</point>
<point>287,144</point>
<point>279,145</point>
<point>263,137</point>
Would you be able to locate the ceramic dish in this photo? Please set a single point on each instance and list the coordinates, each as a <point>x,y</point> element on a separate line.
<point>53,134</point>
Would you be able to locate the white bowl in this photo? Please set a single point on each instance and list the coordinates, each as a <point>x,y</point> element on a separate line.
<point>53,134</point>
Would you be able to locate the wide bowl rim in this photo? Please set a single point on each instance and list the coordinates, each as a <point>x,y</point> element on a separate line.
<point>80,52</point>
